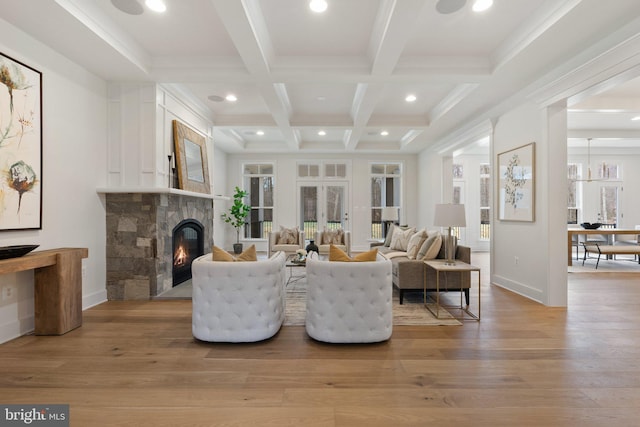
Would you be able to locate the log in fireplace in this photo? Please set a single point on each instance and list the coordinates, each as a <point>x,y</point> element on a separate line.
<point>188,244</point>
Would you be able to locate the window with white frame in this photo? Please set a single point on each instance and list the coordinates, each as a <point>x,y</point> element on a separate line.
<point>608,171</point>
<point>573,174</point>
<point>308,170</point>
<point>259,182</point>
<point>385,192</point>
<point>485,201</point>
<point>609,205</point>
<point>458,192</point>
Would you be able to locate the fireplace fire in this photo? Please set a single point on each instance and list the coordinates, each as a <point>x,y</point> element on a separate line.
<point>188,244</point>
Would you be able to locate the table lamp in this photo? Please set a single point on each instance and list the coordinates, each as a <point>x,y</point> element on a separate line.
<point>450,215</point>
<point>389,214</point>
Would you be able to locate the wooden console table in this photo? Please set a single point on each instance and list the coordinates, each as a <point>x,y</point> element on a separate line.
<point>57,287</point>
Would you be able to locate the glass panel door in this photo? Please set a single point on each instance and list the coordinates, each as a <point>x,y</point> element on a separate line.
<point>335,206</point>
<point>308,208</point>
<point>322,205</point>
<point>608,205</point>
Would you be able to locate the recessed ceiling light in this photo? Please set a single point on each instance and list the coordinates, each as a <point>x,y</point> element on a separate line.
<point>318,6</point>
<point>156,5</point>
<point>449,6</point>
<point>260,133</point>
<point>410,98</point>
<point>132,7</point>
<point>482,5</point>
<point>215,98</point>
<point>322,133</point>
<point>636,118</point>
<point>384,133</point>
<point>231,98</point>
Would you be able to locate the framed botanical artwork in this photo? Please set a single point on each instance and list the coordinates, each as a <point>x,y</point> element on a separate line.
<point>191,159</point>
<point>20,146</point>
<point>516,184</point>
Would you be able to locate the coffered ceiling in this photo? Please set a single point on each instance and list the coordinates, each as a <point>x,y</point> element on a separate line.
<point>345,72</point>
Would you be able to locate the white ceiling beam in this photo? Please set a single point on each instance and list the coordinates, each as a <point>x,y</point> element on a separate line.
<point>246,27</point>
<point>233,137</point>
<point>545,17</point>
<point>394,26</point>
<point>604,133</point>
<point>102,26</point>
<point>364,103</point>
<point>456,96</point>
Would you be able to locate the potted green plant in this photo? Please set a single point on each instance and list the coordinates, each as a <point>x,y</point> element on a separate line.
<point>238,212</point>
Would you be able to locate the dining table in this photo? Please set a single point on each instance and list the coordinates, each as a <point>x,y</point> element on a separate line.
<point>609,233</point>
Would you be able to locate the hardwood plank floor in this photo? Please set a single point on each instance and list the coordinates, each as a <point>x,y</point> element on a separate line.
<point>137,364</point>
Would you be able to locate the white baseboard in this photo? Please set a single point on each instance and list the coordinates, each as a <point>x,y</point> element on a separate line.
<point>15,329</point>
<point>94,299</point>
<point>19,327</point>
<point>519,288</point>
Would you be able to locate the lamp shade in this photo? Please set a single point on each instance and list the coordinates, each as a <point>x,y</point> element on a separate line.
<point>450,215</point>
<point>389,213</point>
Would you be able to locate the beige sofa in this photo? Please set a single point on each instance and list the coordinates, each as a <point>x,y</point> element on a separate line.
<point>344,241</point>
<point>409,275</point>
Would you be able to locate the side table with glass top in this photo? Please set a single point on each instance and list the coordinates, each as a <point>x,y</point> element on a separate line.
<point>441,266</point>
<point>292,264</point>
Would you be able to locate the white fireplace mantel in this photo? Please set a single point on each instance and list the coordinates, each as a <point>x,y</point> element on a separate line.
<point>159,190</point>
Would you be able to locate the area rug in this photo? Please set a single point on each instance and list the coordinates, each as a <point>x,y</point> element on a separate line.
<point>411,312</point>
<point>620,265</point>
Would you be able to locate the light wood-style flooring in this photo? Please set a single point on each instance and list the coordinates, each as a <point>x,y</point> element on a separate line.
<point>137,364</point>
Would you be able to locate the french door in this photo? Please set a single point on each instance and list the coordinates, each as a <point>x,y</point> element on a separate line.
<point>609,195</point>
<point>322,205</point>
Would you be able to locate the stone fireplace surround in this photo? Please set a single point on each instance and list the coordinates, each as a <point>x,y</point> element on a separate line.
<point>139,232</point>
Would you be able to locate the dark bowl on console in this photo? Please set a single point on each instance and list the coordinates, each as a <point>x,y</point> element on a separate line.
<point>591,226</point>
<point>15,251</point>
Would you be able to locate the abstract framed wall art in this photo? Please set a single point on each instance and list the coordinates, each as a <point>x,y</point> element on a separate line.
<point>20,145</point>
<point>516,184</point>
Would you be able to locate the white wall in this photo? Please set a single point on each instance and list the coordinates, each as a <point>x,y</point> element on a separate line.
<point>360,190</point>
<point>74,141</point>
<point>429,186</point>
<point>530,257</point>
<point>219,177</point>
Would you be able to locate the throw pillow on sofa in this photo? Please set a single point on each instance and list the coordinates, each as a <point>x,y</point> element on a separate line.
<point>287,236</point>
<point>387,239</point>
<point>332,237</point>
<point>415,243</point>
<point>400,238</point>
<point>431,247</point>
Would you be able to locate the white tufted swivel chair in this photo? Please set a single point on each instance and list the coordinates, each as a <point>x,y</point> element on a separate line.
<point>349,302</point>
<point>238,301</point>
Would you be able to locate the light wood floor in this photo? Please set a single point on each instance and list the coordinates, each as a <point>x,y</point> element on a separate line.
<point>136,364</point>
